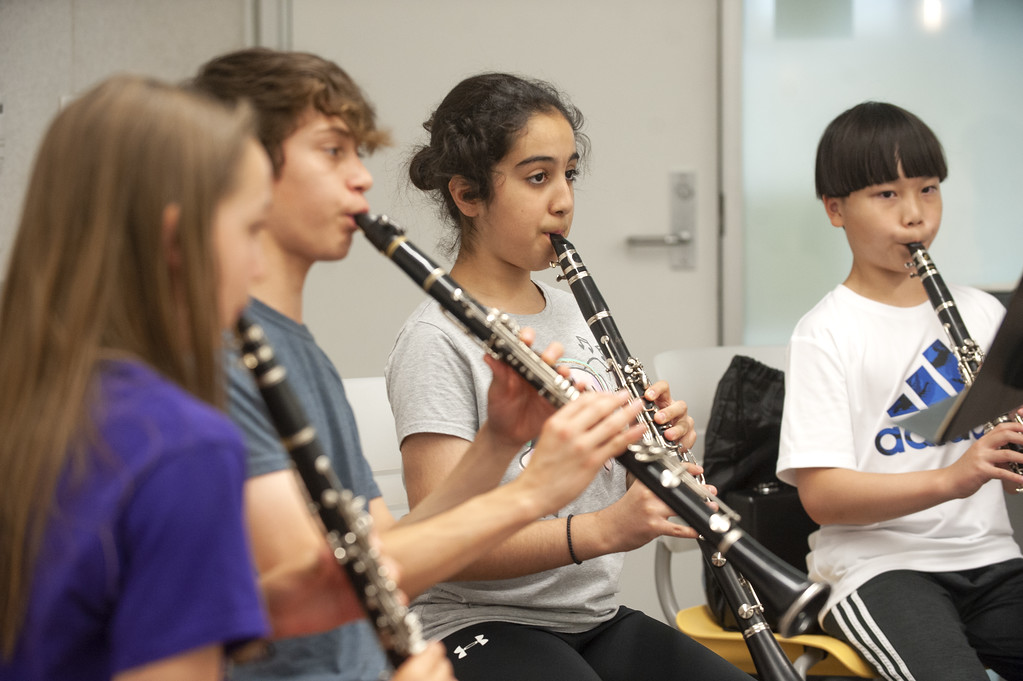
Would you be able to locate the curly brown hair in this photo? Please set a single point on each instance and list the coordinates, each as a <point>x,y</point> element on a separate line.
<point>283,87</point>
<point>475,125</point>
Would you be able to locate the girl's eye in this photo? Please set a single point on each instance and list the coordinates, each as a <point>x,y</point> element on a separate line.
<point>537,178</point>
<point>931,189</point>
<point>333,151</point>
<point>571,174</point>
<point>886,194</point>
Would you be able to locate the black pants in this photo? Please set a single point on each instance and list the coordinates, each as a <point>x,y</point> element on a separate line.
<point>938,626</point>
<point>628,647</point>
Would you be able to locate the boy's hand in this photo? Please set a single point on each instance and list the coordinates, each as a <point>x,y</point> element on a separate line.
<point>1014,485</point>
<point>988,459</point>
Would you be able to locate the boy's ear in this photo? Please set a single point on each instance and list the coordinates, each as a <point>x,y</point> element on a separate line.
<point>834,207</point>
<point>459,187</point>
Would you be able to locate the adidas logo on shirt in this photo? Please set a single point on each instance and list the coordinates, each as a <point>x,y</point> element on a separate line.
<point>936,379</point>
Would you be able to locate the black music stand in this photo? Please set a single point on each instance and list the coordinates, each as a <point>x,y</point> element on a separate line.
<point>997,388</point>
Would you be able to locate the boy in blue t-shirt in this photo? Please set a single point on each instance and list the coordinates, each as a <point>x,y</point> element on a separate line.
<point>316,125</point>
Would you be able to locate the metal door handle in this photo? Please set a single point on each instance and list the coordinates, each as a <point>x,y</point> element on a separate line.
<point>681,236</point>
<point>672,239</point>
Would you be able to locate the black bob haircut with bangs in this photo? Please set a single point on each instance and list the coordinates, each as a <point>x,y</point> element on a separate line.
<point>865,145</point>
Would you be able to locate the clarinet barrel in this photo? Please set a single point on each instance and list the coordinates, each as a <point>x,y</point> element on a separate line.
<point>768,656</point>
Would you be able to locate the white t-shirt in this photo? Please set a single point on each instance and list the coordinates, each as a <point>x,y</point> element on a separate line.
<point>856,367</point>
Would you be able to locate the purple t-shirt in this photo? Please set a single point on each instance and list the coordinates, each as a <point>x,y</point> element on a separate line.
<point>145,554</point>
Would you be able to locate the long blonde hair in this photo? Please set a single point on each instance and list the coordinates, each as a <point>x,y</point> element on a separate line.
<point>90,277</point>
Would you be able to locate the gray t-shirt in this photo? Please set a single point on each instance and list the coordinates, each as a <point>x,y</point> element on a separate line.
<point>351,652</point>
<point>437,383</point>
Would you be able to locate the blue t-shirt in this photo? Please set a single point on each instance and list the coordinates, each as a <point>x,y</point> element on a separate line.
<point>145,554</point>
<point>350,652</point>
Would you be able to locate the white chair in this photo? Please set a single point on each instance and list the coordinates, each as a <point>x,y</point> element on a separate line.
<point>693,374</point>
<point>368,397</point>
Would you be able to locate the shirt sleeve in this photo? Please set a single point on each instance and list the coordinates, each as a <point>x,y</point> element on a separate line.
<point>264,452</point>
<point>187,579</point>
<point>430,384</point>
<point>816,428</point>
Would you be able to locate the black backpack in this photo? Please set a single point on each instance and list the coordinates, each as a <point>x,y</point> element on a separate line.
<point>740,455</point>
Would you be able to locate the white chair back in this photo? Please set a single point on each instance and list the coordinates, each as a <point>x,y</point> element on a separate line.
<point>694,373</point>
<point>368,397</point>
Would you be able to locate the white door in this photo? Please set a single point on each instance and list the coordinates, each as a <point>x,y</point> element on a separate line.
<point>645,75</point>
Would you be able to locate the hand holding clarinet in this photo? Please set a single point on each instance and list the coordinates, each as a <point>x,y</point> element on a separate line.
<point>999,454</point>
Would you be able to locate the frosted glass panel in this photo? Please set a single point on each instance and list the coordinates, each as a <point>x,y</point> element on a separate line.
<point>957,64</point>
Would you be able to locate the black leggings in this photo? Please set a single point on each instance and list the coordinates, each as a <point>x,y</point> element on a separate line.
<point>627,647</point>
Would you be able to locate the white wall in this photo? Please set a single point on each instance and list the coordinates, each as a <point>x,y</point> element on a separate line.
<point>956,66</point>
<point>608,57</point>
<point>53,49</point>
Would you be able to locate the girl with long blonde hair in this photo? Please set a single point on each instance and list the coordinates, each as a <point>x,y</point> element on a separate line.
<point>122,547</point>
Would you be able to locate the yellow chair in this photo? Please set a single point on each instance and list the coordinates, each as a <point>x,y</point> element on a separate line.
<point>694,374</point>
<point>809,653</point>
<point>818,654</point>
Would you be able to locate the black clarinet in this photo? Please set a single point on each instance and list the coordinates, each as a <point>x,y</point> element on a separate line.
<point>770,660</point>
<point>784,588</point>
<point>345,522</point>
<point>967,353</point>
